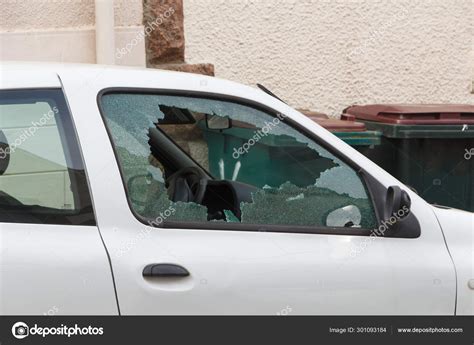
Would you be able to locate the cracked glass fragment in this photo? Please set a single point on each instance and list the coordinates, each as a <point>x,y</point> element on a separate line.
<point>285,206</point>
<point>342,180</point>
<point>230,217</point>
<point>162,209</point>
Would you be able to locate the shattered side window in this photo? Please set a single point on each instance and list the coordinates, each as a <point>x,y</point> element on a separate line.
<point>277,174</point>
<point>129,119</point>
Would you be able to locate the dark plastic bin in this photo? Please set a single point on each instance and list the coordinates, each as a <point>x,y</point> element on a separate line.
<point>427,147</point>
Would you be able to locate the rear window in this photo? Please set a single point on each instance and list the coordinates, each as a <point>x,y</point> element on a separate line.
<point>42,178</point>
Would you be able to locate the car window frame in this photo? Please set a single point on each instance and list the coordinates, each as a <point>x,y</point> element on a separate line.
<point>372,186</point>
<point>70,146</point>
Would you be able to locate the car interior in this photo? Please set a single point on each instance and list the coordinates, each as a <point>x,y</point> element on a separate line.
<point>225,199</point>
<point>186,180</point>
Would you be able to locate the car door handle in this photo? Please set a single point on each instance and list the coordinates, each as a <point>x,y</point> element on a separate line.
<point>165,270</point>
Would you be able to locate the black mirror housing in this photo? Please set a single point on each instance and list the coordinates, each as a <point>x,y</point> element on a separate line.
<point>397,203</point>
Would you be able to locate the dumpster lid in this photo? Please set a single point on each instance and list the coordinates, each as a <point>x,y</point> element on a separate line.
<point>412,114</point>
<point>334,125</point>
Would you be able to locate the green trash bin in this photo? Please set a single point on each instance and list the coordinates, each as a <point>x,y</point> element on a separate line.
<point>427,147</point>
<point>279,156</point>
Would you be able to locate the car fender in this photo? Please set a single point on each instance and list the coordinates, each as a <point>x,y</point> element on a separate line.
<point>458,230</point>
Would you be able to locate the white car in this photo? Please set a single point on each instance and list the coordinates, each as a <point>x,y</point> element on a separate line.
<point>133,191</point>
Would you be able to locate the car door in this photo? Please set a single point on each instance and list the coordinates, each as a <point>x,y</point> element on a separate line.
<point>298,247</point>
<point>52,259</point>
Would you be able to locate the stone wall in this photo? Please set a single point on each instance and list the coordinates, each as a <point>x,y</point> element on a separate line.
<point>165,43</point>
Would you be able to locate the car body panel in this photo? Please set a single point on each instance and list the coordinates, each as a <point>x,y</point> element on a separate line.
<point>51,269</point>
<point>235,272</point>
<point>25,79</point>
<point>245,272</point>
<point>54,270</point>
<point>458,229</point>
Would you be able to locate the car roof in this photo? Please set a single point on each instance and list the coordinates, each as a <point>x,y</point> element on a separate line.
<point>47,71</point>
<point>77,77</point>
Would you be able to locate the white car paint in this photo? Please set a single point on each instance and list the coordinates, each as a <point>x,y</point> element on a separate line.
<point>56,268</point>
<point>232,272</point>
<point>458,229</point>
<point>51,269</point>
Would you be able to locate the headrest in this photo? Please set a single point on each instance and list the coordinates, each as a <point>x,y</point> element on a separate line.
<point>4,153</point>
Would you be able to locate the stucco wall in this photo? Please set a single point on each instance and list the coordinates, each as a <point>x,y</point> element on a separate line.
<point>326,55</point>
<point>63,30</point>
<point>43,14</point>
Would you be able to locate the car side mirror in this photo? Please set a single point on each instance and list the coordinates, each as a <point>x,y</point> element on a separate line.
<point>217,122</point>
<point>397,203</point>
